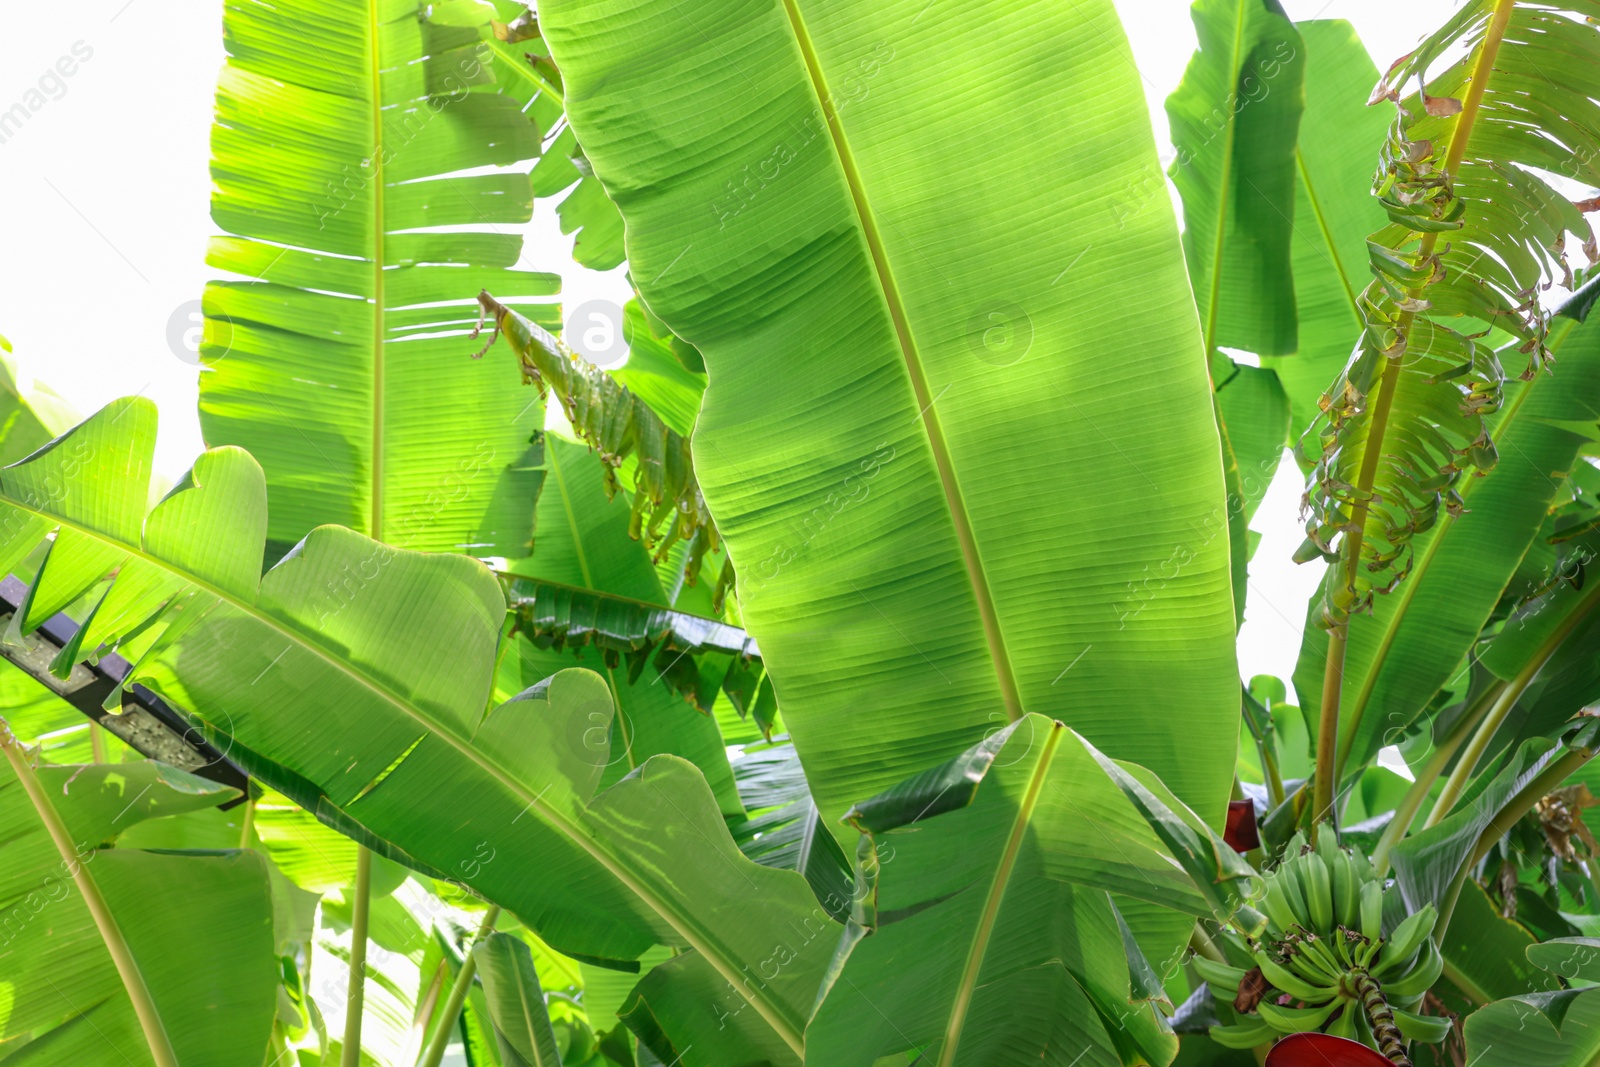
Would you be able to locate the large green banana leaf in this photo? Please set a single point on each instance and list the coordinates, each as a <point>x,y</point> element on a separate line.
<point>1414,640</point>
<point>983,933</point>
<point>354,677</point>
<point>1334,210</point>
<point>340,362</point>
<point>957,433</point>
<point>197,927</point>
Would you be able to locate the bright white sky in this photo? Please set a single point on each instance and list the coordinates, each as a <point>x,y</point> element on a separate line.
<point>107,216</point>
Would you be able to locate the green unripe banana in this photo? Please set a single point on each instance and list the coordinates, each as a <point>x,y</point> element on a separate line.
<point>1407,938</point>
<point>1282,978</point>
<point>1277,904</point>
<point>1289,881</point>
<point>1345,1025</point>
<point>1296,1020</point>
<point>1319,893</point>
<point>1317,952</point>
<point>1347,892</point>
<point>1372,911</point>
<point>1429,1028</point>
<point>1219,975</point>
<point>1247,1034</point>
<point>1418,980</point>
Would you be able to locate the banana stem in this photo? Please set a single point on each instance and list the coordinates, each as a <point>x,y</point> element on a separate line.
<point>355,991</point>
<point>249,822</point>
<point>1269,764</point>
<point>1390,1042</point>
<point>1328,716</point>
<point>1505,702</point>
<point>459,991</point>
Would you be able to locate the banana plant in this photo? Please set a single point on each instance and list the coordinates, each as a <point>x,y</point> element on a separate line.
<point>1471,663</point>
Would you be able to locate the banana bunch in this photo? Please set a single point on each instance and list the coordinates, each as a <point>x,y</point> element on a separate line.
<point>1325,958</point>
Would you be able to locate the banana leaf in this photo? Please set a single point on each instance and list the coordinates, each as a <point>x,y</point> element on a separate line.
<point>1333,210</point>
<point>982,930</point>
<point>354,677</point>
<point>784,829</point>
<point>516,1003</point>
<point>606,416</point>
<point>1235,118</point>
<point>1427,865</point>
<point>339,358</point>
<point>1413,641</point>
<point>31,413</point>
<point>601,615</point>
<point>1512,1032</point>
<point>1458,260</point>
<point>195,928</point>
<point>1486,954</point>
<point>657,375</point>
<point>524,71</point>
<point>906,415</point>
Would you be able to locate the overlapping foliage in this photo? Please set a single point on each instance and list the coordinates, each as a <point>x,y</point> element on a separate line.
<point>925,546</point>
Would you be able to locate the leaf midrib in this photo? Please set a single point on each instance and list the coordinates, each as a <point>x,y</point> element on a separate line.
<point>375,75</point>
<point>1327,236</point>
<point>955,1024</point>
<point>955,504</point>
<point>527,1010</point>
<point>783,1026</point>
